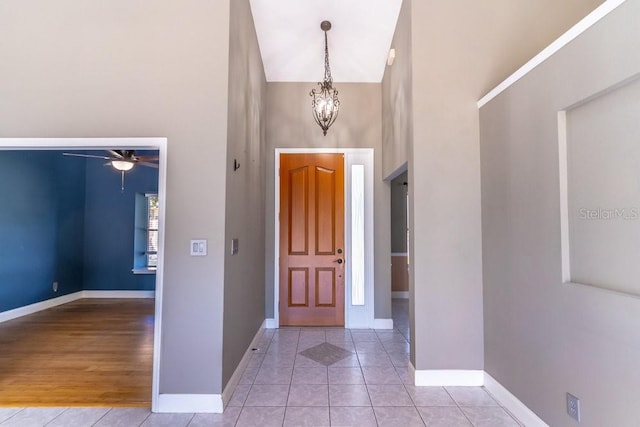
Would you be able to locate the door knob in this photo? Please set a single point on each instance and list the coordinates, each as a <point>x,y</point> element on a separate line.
<point>339,261</point>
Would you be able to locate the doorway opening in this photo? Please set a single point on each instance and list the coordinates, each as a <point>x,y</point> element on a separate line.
<point>39,145</point>
<point>400,257</point>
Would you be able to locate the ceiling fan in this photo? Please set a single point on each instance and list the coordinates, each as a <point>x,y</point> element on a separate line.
<point>122,160</point>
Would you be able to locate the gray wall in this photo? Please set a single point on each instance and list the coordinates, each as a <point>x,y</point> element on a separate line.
<point>143,68</point>
<point>244,272</point>
<point>544,338</point>
<point>290,125</point>
<point>397,114</point>
<point>460,49</point>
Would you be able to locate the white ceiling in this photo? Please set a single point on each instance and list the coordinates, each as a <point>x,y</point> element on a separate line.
<point>292,43</point>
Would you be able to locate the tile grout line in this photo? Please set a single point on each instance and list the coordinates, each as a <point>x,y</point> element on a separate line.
<point>5,420</point>
<point>286,403</point>
<point>54,418</point>
<point>459,407</point>
<point>145,419</point>
<point>103,415</point>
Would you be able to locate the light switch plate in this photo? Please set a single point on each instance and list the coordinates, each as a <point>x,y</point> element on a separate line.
<point>234,246</point>
<point>199,247</point>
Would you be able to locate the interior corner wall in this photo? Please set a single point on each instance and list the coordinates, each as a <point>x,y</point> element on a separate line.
<point>244,271</point>
<point>144,68</point>
<point>41,226</point>
<point>291,125</point>
<point>397,114</point>
<point>458,54</point>
<point>544,338</point>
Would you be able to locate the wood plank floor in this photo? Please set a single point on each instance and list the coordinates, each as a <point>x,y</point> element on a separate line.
<point>90,352</point>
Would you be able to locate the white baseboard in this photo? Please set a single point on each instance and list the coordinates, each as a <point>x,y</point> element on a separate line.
<point>477,378</point>
<point>190,403</point>
<point>525,415</point>
<point>449,377</point>
<point>400,294</point>
<point>270,323</point>
<point>38,306</point>
<point>382,323</point>
<point>118,294</point>
<point>54,302</point>
<point>237,374</point>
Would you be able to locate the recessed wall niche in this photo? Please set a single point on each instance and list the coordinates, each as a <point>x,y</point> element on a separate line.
<point>600,189</point>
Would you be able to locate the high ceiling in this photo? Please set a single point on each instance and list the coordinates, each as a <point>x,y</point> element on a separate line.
<point>292,43</point>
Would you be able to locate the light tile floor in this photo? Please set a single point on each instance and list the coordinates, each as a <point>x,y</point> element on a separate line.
<point>367,386</point>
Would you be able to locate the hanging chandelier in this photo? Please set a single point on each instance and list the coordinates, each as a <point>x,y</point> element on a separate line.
<point>325,104</point>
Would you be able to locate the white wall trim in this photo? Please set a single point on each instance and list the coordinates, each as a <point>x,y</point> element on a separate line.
<point>64,299</point>
<point>189,403</point>
<point>512,403</point>
<point>237,374</point>
<point>38,306</point>
<point>382,323</point>
<point>400,294</point>
<point>449,377</point>
<point>154,143</point>
<point>118,294</point>
<point>600,12</point>
<point>270,323</point>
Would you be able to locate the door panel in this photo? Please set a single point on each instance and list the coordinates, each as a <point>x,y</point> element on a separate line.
<point>298,287</point>
<point>311,233</point>
<point>325,211</point>
<point>325,287</point>
<point>298,211</point>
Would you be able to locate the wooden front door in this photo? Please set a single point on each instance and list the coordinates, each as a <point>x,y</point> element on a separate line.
<point>312,263</point>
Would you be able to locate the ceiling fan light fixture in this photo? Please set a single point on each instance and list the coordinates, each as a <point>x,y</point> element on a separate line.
<point>325,104</point>
<point>122,165</point>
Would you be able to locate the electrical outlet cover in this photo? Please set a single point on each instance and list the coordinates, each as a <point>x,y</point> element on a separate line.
<point>573,407</point>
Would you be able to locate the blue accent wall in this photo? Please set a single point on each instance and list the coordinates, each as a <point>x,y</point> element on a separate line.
<point>41,226</point>
<point>110,227</point>
<point>64,219</point>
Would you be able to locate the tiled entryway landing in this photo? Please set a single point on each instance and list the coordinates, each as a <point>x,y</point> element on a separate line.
<point>364,382</point>
<point>283,386</point>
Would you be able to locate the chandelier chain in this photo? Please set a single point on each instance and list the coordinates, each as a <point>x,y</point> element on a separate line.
<point>327,67</point>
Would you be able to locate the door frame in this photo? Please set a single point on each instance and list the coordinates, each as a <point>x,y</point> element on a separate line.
<point>133,143</point>
<point>355,316</point>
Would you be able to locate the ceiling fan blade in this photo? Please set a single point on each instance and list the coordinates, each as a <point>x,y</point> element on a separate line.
<point>115,153</point>
<point>87,155</point>
<point>147,164</point>
<point>147,158</point>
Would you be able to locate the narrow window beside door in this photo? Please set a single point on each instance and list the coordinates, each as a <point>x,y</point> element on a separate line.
<point>357,235</point>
